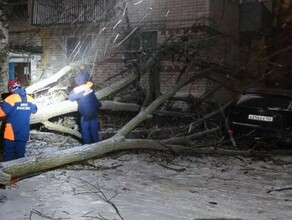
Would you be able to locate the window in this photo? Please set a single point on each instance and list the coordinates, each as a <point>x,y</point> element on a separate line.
<point>137,43</point>
<point>141,41</point>
<point>17,9</point>
<point>78,47</point>
<point>72,44</point>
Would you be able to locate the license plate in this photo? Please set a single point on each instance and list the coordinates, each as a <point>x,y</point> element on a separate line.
<point>260,118</point>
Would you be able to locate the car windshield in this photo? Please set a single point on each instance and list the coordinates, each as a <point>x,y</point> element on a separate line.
<point>264,101</point>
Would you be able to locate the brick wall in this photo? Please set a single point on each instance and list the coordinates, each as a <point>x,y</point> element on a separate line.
<point>168,13</point>
<point>168,17</point>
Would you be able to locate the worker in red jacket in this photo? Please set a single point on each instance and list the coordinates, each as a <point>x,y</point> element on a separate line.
<point>88,106</point>
<point>17,108</point>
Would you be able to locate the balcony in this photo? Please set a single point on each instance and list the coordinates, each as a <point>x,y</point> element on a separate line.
<point>71,11</point>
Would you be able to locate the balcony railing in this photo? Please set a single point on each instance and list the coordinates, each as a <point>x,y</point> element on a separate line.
<point>49,12</point>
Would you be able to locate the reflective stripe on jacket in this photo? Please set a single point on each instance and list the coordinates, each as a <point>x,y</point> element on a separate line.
<point>88,104</point>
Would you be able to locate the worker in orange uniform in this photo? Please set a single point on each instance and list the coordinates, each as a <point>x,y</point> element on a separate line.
<point>88,106</point>
<point>18,108</point>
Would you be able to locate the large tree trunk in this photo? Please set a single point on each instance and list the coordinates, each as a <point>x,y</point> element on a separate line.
<point>33,164</point>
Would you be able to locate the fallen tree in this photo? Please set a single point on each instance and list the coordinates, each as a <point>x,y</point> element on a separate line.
<point>119,141</point>
<point>27,165</point>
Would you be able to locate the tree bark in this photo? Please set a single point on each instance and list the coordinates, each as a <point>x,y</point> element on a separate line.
<point>52,126</point>
<point>4,53</point>
<point>33,164</point>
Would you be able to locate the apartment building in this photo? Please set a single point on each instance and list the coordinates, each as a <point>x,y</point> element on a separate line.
<point>56,33</point>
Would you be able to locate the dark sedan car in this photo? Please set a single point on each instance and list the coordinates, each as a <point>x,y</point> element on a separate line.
<point>261,109</point>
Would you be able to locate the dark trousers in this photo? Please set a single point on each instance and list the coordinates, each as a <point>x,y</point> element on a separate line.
<point>13,149</point>
<point>89,130</point>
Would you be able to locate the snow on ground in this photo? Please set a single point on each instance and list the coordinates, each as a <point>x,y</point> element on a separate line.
<point>143,186</point>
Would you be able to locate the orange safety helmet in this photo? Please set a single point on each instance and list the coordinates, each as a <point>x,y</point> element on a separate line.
<point>13,84</point>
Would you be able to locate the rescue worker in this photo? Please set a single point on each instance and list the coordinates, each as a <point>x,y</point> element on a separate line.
<point>17,108</point>
<point>88,106</point>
